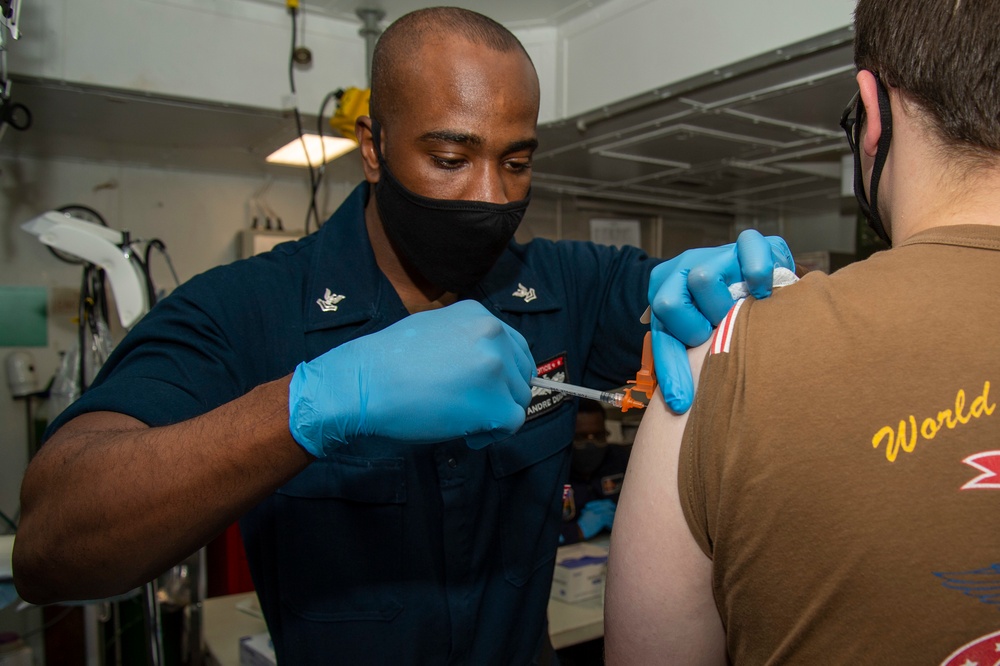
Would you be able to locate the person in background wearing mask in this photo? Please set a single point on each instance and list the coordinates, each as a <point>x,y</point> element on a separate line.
<point>834,496</point>
<point>596,472</point>
<point>360,398</point>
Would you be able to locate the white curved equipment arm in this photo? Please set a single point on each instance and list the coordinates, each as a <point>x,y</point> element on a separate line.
<point>102,247</point>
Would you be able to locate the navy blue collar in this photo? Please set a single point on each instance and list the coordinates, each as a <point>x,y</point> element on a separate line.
<point>346,286</point>
<point>512,286</point>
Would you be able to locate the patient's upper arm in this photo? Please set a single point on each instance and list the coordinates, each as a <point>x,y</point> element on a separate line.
<point>659,606</point>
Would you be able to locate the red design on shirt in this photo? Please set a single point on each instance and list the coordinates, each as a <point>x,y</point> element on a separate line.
<point>983,651</point>
<point>988,462</point>
<point>723,335</point>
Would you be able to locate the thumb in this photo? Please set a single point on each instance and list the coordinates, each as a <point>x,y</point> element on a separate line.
<point>673,370</point>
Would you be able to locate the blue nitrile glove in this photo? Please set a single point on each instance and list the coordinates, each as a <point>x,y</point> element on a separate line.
<point>689,295</point>
<point>596,515</point>
<point>444,374</point>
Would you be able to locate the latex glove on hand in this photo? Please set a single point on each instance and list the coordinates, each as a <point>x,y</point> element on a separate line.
<point>434,376</point>
<point>596,515</point>
<point>689,295</point>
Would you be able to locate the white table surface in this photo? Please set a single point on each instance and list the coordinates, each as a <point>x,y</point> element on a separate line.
<point>225,624</point>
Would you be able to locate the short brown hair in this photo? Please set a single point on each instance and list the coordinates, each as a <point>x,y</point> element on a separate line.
<point>944,55</point>
<point>404,37</point>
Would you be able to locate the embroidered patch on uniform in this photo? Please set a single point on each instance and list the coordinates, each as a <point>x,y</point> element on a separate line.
<point>723,335</point>
<point>329,301</point>
<point>988,462</point>
<point>528,294</point>
<point>545,400</point>
<point>612,485</point>
<point>980,652</point>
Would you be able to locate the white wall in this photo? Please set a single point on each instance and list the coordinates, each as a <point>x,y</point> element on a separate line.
<point>228,51</point>
<point>220,50</point>
<point>197,215</point>
<point>541,45</point>
<point>662,233</point>
<point>627,47</point>
<point>829,231</point>
<point>237,52</point>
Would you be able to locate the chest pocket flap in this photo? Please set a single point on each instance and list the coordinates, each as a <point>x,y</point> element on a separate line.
<point>339,476</point>
<point>533,443</point>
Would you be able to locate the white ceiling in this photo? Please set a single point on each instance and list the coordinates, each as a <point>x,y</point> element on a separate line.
<point>512,13</point>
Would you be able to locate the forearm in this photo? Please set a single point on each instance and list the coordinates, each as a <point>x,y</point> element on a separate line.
<point>109,503</point>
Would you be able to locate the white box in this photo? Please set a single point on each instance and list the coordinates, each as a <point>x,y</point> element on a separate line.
<point>16,654</point>
<point>579,572</point>
<point>20,656</point>
<point>257,650</point>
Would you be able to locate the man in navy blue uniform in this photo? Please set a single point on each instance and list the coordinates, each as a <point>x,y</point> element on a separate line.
<point>596,473</point>
<point>360,398</point>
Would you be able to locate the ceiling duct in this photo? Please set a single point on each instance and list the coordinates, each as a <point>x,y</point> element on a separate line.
<point>370,19</point>
<point>753,137</point>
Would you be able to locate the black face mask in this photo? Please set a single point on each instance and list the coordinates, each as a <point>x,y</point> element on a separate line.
<point>870,209</point>
<point>587,458</point>
<point>453,244</point>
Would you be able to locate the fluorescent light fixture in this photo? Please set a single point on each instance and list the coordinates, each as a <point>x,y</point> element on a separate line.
<point>294,154</point>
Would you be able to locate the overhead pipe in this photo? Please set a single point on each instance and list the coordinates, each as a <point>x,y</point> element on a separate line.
<point>370,31</point>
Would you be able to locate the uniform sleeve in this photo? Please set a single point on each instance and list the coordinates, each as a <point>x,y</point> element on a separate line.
<point>713,426</point>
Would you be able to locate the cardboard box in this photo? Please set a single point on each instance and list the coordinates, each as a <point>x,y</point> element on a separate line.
<point>579,573</point>
<point>257,650</point>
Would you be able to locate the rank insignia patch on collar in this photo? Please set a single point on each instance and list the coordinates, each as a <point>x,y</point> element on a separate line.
<point>524,292</point>
<point>329,301</point>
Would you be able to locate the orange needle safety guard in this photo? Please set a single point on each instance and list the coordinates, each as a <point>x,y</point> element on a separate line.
<point>645,378</point>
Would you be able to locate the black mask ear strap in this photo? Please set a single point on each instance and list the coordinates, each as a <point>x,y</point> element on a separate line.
<point>870,209</point>
<point>885,114</point>
<point>377,140</point>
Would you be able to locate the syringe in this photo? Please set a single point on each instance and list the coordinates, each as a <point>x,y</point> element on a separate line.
<point>613,398</point>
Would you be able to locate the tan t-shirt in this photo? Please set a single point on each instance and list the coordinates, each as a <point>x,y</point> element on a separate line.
<point>841,465</point>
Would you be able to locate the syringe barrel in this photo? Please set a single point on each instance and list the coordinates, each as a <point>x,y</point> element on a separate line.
<point>579,391</point>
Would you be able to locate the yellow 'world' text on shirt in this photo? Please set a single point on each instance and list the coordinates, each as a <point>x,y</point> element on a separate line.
<point>905,437</point>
